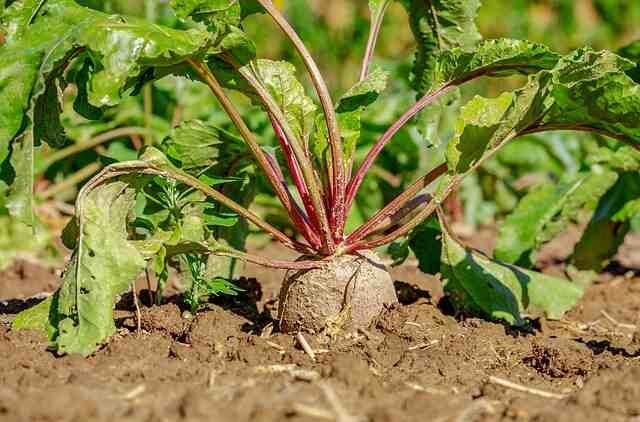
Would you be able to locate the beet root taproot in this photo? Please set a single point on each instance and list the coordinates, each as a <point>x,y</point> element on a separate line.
<point>353,289</point>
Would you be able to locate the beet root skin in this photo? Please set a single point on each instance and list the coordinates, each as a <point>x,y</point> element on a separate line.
<point>358,285</point>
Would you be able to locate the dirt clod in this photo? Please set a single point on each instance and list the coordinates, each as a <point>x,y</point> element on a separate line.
<point>556,361</point>
<point>165,319</point>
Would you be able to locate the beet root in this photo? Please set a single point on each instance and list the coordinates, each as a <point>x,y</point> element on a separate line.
<point>351,288</point>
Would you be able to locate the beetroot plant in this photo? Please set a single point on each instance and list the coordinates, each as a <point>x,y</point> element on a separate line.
<point>338,279</point>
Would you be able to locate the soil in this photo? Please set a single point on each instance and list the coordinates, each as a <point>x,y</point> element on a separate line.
<point>416,362</point>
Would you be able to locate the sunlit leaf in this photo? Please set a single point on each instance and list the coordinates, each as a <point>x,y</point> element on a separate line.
<point>349,112</point>
<point>223,19</point>
<point>479,119</point>
<point>103,266</point>
<point>39,45</point>
<point>279,77</point>
<point>197,145</point>
<point>42,317</point>
<point>632,52</point>
<point>586,90</point>
<point>490,288</point>
<point>610,223</point>
<point>437,26</point>
<point>545,212</point>
<point>499,57</point>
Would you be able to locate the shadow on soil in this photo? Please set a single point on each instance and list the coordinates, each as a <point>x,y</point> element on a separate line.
<point>604,346</point>
<point>15,306</point>
<point>409,293</point>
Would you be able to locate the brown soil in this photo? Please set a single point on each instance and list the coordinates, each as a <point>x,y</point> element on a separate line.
<point>416,363</point>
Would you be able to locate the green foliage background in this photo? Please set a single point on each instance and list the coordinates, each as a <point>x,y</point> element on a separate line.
<point>533,188</point>
<point>336,32</point>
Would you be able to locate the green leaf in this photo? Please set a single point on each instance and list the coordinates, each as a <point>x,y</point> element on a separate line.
<point>598,244</point>
<point>536,154</point>
<point>365,92</point>
<point>151,246</point>
<point>629,211</point>
<point>119,152</point>
<point>586,90</point>
<point>41,317</point>
<point>352,105</point>
<point>238,45</point>
<point>500,291</point>
<point>596,183</point>
<point>499,58</point>
<point>202,285</point>
<point>398,251</point>
<point>17,240</point>
<point>196,145</point>
<point>27,85</point>
<point>477,210</point>
<point>617,157</point>
<point>128,47</point>
<point>26,60</point>
<point>215,12</point>
<point>123,47</point>
<point>103,266</point>
<point>223,19</point>
<point>481,132</point>
<point>46,112</point>
<point>632,52</point>
<point>478,121</point>
<point>243,192</point>
<point>18,196</point>
<point>439,25</point>
<point>226,162</point>
<point>70,234</point>
<point>426,243</point>
<point>213,217</point>
<point>590,89</point>
<point>81,105</point>
<point>279,77</point>
<point>241,188</point>
<point>37,48</point>
<point>349,111</point>
<point>193,229</point>
<point>79,316</point>
<point>546,211</point>
<point>156,157</point>
<point>206,10</point>
<point>609,224</point>
<point>219,285</point>
<point>481,118</point>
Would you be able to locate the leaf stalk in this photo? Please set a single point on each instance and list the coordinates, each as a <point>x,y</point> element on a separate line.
<point>317,212</point>
<point>373,153</point>
<point>383,217</point>
<point>374,31</point>
<point>281,190</point>
<point>338,181</point>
